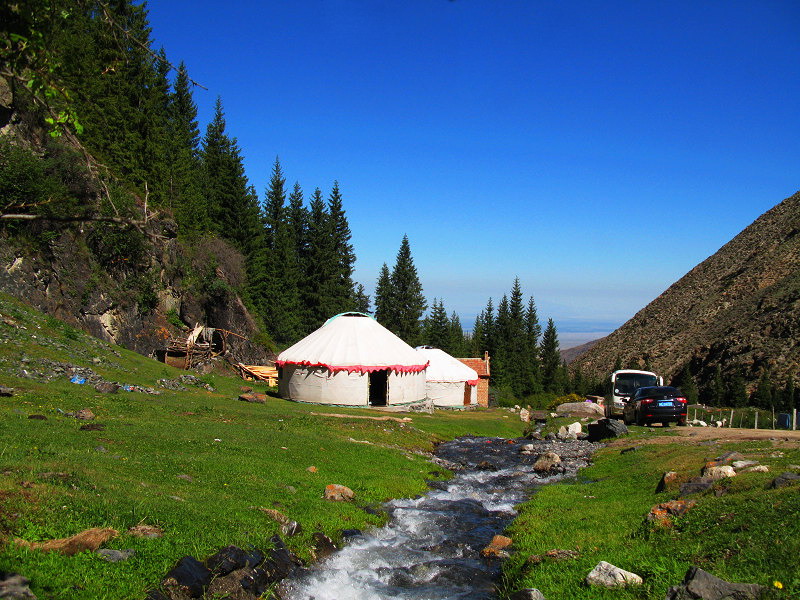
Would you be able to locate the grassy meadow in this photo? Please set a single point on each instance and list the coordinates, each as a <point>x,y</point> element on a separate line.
<point>741,532</point>
<point>57,480</point>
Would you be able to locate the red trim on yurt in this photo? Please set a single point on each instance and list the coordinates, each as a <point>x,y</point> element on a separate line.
<point>357,368</point>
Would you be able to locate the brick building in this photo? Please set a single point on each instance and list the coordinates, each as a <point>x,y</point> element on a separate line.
<point>481,366</point>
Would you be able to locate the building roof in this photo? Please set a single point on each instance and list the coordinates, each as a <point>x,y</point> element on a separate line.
<point>481,365</point>
<point>356,343</point>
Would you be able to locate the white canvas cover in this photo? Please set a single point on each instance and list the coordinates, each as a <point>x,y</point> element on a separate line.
<point>354,342</point>
<point>443,367</point>
<point>336,365</point>
<point>448,381</point>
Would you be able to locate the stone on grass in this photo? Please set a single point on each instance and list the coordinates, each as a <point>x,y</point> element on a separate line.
<point>606,428</point>
<point>696,485</point>
<point>580,409</point>
<point>667,479</point>
<point>546,462</point>
<point>527,594</point>
<point>729,457</point>
<point>607,575</point>
<point>700,585</point>
<point>338,493</point>
<point>15,587</point>
<point>91,539</point>
<point>719,472</point>
<point>106,387</point>
<point>84,414</point>
<point>6,391</point>
<point>92,427</point>
<point>114,555</point>
<point>525,415</point>
<point>188,577</point>
<point>36,418</point>
<point>661,514</point>
<point>185,477</point>
<point>253,397</point>
<point>574,428</point>
<point>742,464</point>
<point>785,479</point>
<point>146,531</point>
<point>756,469</point>
<point>230,558</point>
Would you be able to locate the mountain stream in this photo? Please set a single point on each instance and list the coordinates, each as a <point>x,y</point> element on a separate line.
<point>430,549</point>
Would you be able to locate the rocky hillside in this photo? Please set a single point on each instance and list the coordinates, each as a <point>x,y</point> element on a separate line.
<point>739,310</point>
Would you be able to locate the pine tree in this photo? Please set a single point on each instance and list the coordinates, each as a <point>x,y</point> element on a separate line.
<point>409,303</point>
<point>736,391</point>
<point>533,330</point>
<point>281,295</point>
<point>685,381</point>
<point>518,371</point>
<point>551,359</point>
<point>317,264</point>
<point>717,388</point>
<point>763,396</point>
<point>360,299</point>
<point>501,335</point>
<point>458,343</point>
<point>184,193</point>
<point>385,313</point>
<point>338,290</point>
<point>438,330</point>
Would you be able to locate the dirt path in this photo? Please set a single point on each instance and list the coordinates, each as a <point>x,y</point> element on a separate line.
<point>698,435</point>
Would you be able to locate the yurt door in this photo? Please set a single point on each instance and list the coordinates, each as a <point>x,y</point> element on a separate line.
<point>467,394</point>
<point>378,388</point>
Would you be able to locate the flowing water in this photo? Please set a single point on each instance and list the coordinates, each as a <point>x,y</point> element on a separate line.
<point>430,549</point>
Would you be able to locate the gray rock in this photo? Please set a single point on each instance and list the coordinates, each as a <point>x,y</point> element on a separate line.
<point>574,428</point>
<point>696,485</point>
<point>546,462</point>
<point>15,587</point>
<point>742,464</point>
<point>114,555</point>
<point>606,428</point>
<point>729,457</point>
<point>785,479</point>
<point>719,472</point>
<point>106,387</point>
<point>580,409</point>
<point>527,594</point>
<point>700,585</point>
<point>607,575</point>
<point>6,391</point>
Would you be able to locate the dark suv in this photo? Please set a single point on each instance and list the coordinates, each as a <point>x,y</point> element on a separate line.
<point>657,404</point>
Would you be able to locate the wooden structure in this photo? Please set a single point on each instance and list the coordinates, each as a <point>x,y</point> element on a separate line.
<point>481,366</point>
<point>202,344</point>
<point>261,373</point>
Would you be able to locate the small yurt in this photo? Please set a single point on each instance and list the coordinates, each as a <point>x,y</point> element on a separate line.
<point>448,381</point>
<point>352,360</point>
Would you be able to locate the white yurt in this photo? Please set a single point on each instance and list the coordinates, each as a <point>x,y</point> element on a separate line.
<point>448,381</point>
<point>352,360</point>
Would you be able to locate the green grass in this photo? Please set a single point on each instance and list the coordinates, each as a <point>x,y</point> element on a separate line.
<point>749,534</point>
<point>128,473</point>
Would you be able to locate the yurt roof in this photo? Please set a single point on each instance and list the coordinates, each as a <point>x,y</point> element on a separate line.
<point>445,368</point>
<point>354,342</point>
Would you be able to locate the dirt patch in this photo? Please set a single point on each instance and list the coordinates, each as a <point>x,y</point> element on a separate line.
<point>699,435</point>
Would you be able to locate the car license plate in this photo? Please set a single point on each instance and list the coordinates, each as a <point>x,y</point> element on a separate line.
<point>669,403</point>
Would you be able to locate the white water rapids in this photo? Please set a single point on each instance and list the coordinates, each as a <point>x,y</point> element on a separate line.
<point>430,549</point>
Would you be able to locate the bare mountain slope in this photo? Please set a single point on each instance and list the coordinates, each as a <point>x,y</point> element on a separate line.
<point>740,308</point>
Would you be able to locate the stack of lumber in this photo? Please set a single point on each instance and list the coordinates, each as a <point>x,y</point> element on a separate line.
<point>262,373</point>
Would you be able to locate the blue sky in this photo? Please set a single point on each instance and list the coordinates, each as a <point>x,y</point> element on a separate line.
<point>598,151</point>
